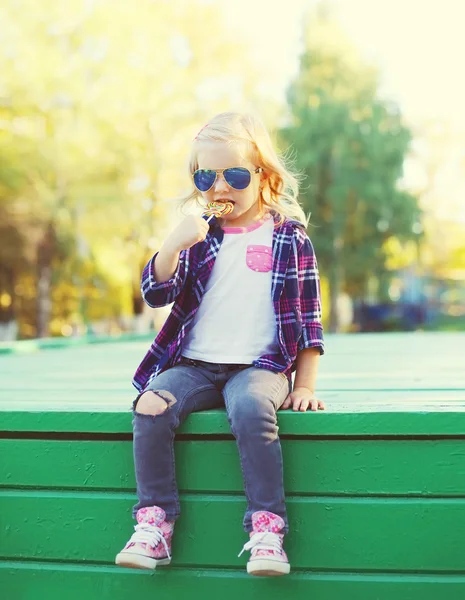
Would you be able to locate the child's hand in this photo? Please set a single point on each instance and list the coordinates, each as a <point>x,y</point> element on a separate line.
<point>301,399</point>
<point>190,230</point>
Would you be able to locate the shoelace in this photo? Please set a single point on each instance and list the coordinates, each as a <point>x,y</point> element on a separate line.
<point>149,534</point>
<point>263,541</point>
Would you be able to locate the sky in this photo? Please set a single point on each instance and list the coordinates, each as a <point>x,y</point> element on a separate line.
<point>418,45</point>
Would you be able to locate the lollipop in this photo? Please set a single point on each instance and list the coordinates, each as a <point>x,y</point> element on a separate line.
<point>218,209</point>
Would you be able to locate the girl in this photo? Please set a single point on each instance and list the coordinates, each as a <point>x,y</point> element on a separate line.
<point>246,314</point>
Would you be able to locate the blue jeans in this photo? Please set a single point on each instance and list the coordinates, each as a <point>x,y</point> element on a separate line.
<point>251,397</point>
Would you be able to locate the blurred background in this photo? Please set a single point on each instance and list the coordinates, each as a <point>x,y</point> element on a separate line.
<point>99,102</point>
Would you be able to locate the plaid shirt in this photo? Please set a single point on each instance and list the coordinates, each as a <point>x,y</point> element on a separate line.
<point>295,291</point>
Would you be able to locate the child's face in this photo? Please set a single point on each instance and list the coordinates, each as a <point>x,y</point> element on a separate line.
<point>219,155</point>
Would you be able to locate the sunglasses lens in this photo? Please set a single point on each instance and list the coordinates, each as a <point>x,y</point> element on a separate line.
<point>204,179</point>
<point>237,177</point>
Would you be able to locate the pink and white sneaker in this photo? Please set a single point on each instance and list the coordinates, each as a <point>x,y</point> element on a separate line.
<point>266,544</point>
<point>150,545</point>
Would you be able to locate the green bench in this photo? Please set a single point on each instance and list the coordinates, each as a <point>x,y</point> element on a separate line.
<point>375,491</point>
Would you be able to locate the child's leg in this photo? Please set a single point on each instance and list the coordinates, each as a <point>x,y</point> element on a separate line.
<point>157,413</point>
<point>252,398</point>
<point>172,396</point>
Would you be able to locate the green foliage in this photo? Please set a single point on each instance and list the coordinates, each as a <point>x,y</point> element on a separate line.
<point>350,145</point>
<point>95,102</point>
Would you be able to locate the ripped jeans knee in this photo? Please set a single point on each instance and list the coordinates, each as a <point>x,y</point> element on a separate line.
<point>153,402</point>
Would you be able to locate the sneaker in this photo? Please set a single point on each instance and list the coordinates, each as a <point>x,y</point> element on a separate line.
<point>266,544</point>
<point>150,546</point>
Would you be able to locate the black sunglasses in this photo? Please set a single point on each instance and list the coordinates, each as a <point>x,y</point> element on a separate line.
<point>236,177</point>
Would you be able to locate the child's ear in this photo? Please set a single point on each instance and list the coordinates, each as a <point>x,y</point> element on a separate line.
<point>263,176</point>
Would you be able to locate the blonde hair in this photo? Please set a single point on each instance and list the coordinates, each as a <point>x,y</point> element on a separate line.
<point>280,189</point>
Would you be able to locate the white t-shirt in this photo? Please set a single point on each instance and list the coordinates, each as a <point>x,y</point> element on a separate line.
<point>235,322</point>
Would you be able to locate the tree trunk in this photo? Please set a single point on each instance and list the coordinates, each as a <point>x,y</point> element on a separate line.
<point>334,290</point>
<point>8,323</point>
<point>43,301</point>
<point>45,253</point>
<point>335,285</point>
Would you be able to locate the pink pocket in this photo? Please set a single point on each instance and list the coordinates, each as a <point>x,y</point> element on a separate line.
<point>259,258</point>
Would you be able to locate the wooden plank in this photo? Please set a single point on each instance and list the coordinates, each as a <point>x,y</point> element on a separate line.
<point>364,363</point>
<point>87,396</point>
<point>344,467</point>
<point>34,581</point>
<point>104,390</point>
<point>77,385</point>
<point>347,422</point>
<point>369,534</point>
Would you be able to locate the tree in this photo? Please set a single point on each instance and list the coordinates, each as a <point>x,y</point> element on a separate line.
<point>350,145</point>
<point>98,103</point>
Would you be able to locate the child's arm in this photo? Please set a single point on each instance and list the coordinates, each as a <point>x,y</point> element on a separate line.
<point>165,263</point>
<point>311,343</point>
<point>303,395</point>
<point>165,274</point>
